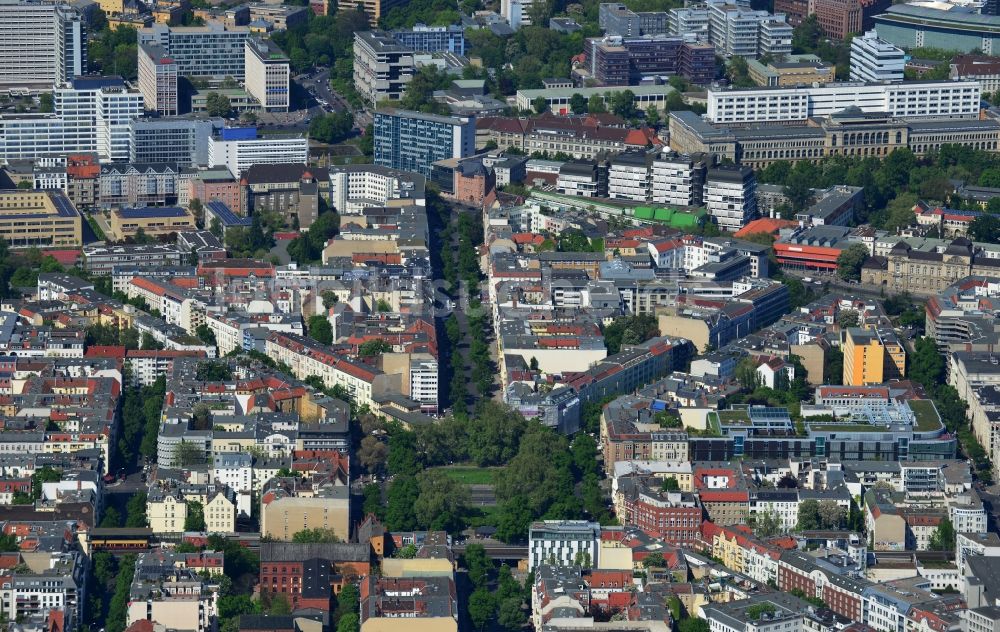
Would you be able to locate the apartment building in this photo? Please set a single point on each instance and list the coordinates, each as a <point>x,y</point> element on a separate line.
<point>267,74</point>
<point>563,543</point>
<point>413,141</point>
<point>382,66</point>
<point>100,260</point>
<point>136,184</point>
<point>39,219</point>
<point>158,80</point>
<point>354,187</point>
<point>214,50</point>
<point>872,357</point>
<point>288,506</point>
<point>731,196</point>
<point>240,148</point>
<point>915,100</point>
<point>179,599</point>
<point>180,141</point>
<point>307,357</point>
<point>874,59</point>
<point>41,44</point>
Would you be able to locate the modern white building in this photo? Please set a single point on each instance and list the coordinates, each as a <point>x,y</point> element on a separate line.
<point>737,31</point>
<point>874,59</point>
<point>158,79</point>
<point>355,187</point>
<point>690,21</point>
<point>578,178</point>
<point>913,100</point>
<point>677,179</point>
<point>41,44</point>
<point>239,149</point>
<point>267,74</point>
<point>382,66</point>
<point>92,114</point>
<point>731,196</point>
<point>214,50</point>
<point>628,176</point>
<point>424,384</point>
<point>563,543</point>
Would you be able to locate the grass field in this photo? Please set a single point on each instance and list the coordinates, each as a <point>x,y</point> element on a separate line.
<point>471,475</point>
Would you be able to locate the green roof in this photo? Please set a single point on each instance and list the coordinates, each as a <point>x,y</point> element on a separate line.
<point>927,418</point>
<point>734,417</point>
<point>644,212</point>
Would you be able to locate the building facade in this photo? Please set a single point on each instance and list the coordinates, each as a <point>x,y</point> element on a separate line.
<point>874,59</point>
<point>267,74</point>
<point>412,141</point>
<point>158,80</point>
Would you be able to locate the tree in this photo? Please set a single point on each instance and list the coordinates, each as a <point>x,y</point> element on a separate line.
<point>652,116</point>
<point>540,104</point>
<point>692,624</point>
<point>578,104</point>
<point>654,560</point>
<point>623,103</point>
<point>596,105</point>
<point>329,299</point>
<point>195,520</point>
<point>349,623</point>
<point>46,103</point>
<point>372,454</point>
<point>279,605</point>
<point>408,552</point>
<point>926,364</point>
<point>205,334</point>
<point>478,564</point>
<point>441,503</point>
<point>850,260</point>
<point>831,515</point>
<point>402,494</point>
<point>510,615</point>
<point>111,519</point>
<point>371,348</point>
<point>332,128</point>
<point>899,212</point>
<point>187,454</point>
<point>135,511</point>
<point>943,538</point>
<point>985,228</point>
<point>320,330</point>
<point>218,105</point>
<point>481,608</point>
<point>317,535</point>
<point>670,485</point>
<point>808,515</point>
<point>348,601</point>
<point>767,524</point>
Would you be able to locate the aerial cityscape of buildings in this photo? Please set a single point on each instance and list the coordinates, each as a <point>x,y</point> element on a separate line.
<point>499,316</point>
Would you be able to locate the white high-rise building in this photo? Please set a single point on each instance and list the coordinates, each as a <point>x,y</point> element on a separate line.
<point>874,59</point>
<point>731,196</point>
<point>41,44</point>
<point>424,384</point>
<point>213,50</point>
<point>91,115</point>
<point>158,79</point>
<point>738,31</point>
<point>267,74</point>
<point>628,176</point>
<point>677,179</point>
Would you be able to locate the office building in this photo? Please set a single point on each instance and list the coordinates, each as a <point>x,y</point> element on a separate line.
<point>795,10</point>
<point>557,99</point>
<point>267,74</point>
<point>412,141</point>
<point>127,222</point>
<point>92,114</point>
<point>580,178</point>
<point>39,219</point>
<point>616,19</point>
<point>731,196</point>
<point>840,18</point>
<point>432,39</point>
<point>628,176</point>
<point>41,44</point>
<point>382,66</point>
<point>180,141</point>
<point>563,543</point>
<point>158,80</point>
<point>621,61</point>
<point>872,357</point>
<point>240,148</point>
<point>355,187</point>
<point>690,20</point>
<point>793,70</point>
<point>214,50</point>
<point>913,99</point>
<point>874,59</point>
<point>679,179</point>
<point>741,32</point>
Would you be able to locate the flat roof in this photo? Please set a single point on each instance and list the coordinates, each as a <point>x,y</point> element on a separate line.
<point>586,92</point>
<point>151,211</point>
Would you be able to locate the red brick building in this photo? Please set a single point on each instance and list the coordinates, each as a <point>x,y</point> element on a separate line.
<point>840,18</point>
<point>308,575</point>
<point>842,594</point>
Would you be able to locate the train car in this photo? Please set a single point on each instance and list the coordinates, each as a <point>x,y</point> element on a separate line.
<point>119,539</point>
